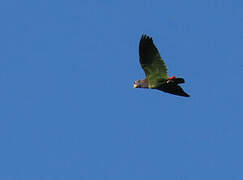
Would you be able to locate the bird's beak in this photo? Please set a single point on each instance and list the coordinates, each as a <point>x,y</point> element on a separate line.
<point>135,85</point>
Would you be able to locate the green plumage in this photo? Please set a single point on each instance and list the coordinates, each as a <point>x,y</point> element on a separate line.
<point>156,71</point>
<point>154,67</point>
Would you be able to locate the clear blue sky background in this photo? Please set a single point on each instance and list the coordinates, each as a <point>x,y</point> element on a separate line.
<point>68,107</point>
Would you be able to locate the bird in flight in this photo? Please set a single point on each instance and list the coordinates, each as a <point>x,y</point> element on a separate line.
<point>156,71</point>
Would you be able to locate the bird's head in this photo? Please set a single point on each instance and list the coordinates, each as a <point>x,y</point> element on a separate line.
<point>137,84</point>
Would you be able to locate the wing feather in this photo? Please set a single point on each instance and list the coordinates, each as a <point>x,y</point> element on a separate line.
<point>150,60</point>
<point>174,89</point>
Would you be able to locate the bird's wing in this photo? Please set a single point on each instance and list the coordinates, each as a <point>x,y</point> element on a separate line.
<point>150,60</point>
<point>174,89</point>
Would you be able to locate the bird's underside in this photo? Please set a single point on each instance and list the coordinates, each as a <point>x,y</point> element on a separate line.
<point>156,71</point>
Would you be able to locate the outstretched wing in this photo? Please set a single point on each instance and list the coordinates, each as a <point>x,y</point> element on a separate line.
<point>174,89</point>
<point>150,60</point>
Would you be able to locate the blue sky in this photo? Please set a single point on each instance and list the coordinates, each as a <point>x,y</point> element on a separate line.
<point>68,109</point>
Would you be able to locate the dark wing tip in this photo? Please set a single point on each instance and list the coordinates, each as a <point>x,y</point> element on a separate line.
<point>145,37</point>
<point>179,91</point>
<point>147,48</point>
<point>186,95</point>
<point>174,89</point>
<point>182,93</point>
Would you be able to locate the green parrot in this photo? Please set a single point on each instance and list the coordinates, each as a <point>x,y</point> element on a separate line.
<point>156,71</point>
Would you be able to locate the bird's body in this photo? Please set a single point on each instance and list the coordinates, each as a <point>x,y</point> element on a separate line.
<point>156,71</point>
